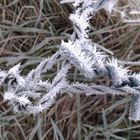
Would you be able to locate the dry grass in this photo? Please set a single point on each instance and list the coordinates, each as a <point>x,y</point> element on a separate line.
<point>30,31</point>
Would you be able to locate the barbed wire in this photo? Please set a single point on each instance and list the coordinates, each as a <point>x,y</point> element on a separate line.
<point>31,95</point>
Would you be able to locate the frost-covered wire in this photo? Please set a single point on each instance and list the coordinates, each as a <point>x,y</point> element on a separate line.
<point>31,94</point>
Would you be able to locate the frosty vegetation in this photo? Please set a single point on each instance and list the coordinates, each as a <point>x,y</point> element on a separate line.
<point>26,93</point>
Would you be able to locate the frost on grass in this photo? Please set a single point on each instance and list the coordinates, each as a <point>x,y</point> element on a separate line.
<point>26,93</point>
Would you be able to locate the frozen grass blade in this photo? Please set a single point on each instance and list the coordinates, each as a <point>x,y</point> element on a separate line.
<point>134,108</point>
<point>57,132</point>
